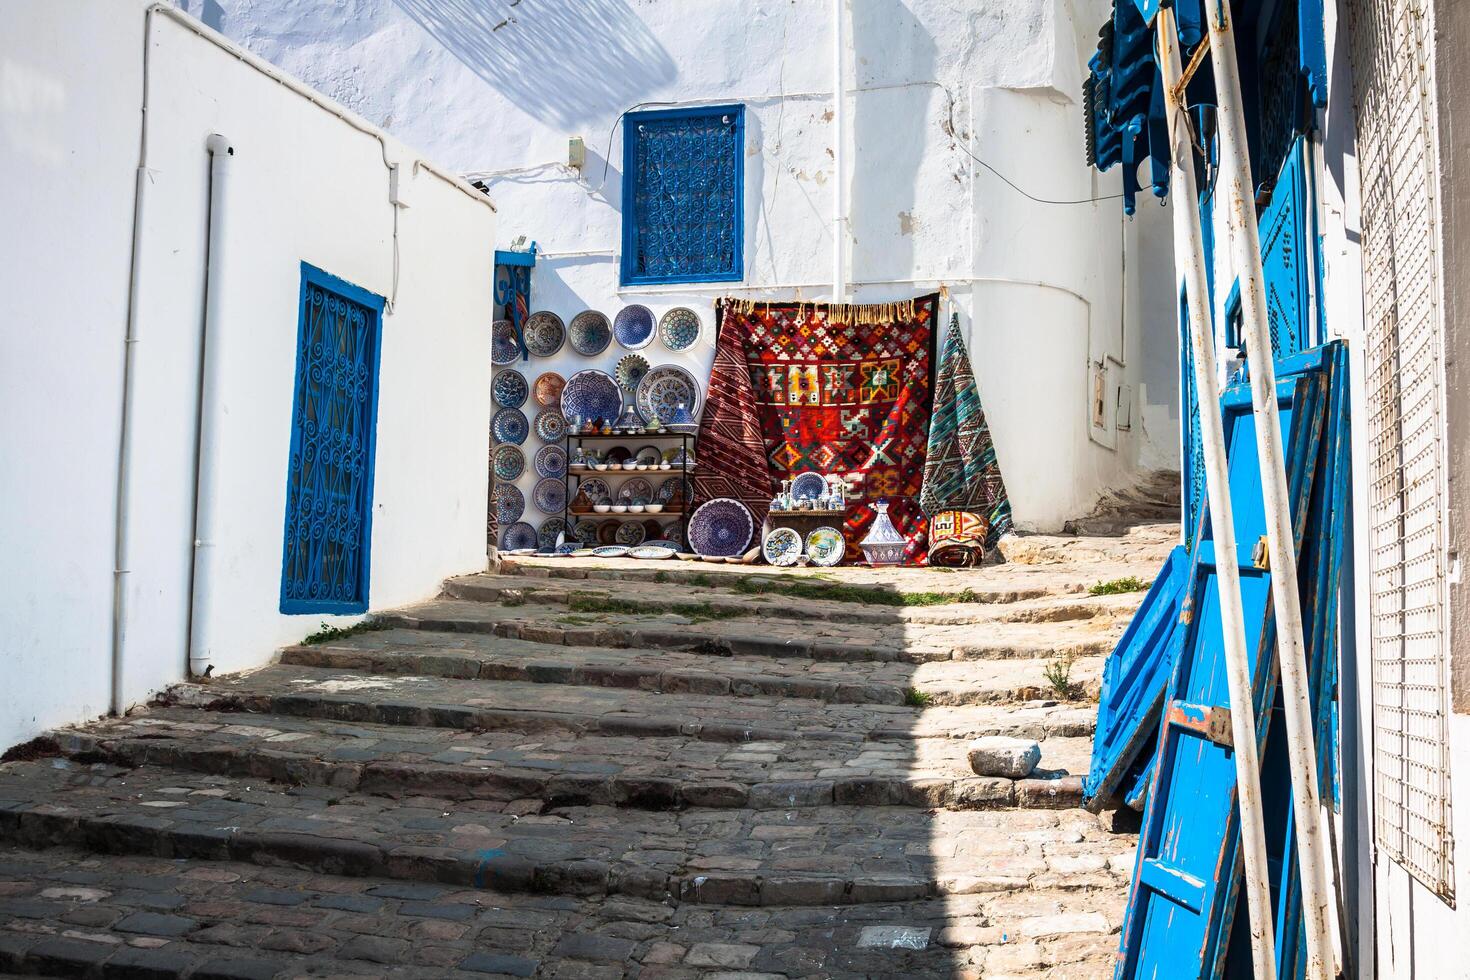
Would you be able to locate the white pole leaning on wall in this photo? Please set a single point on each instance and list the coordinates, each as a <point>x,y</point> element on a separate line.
<point>1245,248</point>
<point>839,155</point>
<point>1189,261</point>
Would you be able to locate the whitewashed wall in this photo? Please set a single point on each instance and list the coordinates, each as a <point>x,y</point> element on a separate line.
<point>306,186</point>
<point>1041,289</point>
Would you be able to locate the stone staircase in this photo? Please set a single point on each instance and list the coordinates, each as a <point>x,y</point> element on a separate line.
<point>604,769</point>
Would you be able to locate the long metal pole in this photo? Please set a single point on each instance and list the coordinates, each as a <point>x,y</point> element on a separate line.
<point>1189,260</point>
<point>1245,248</point>
<point>839,154</point>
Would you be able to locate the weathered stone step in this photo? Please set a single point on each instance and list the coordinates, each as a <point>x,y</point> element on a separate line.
<point>489,657</point>
<point>832,855</point>
<point>63,914</point>
<point>655,773</point>
<point>444,702</point>
<point>899,642</point>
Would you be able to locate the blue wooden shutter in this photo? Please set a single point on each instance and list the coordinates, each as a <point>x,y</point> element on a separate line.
<point>683,173</point>
<point>329,482</point>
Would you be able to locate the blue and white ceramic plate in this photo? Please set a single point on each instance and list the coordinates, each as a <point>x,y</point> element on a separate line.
<point>782,547</point>
<point>503,346</point>
<point>545,333</point>
<point>510,388</point>
<point>674,533</point>
<point>551,529</point>
<point>596,488</point>
<point>549,496</point>
<point>809,485</point>
<point>517,537</point>
<point>589,333</point>
<point>651,552</point>
<point>670,486</point>
<point>679,328</point>
<point>631,369</point>
<point>585,531</point>
<point>721,528</point>
<point>510,425</point>
<point>610,551</point>
<point>634,327</point>
<point>551,426</point>
<point>550,462</point>
<point>663,543</point>
<point>826,546</point>
<point>591,394</point>
<point>509,502</point>
<point>509,462</point>
<point>631,533</point>
<point>663,389</point>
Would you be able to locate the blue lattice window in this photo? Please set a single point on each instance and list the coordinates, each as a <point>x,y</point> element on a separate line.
<point>683,175</point>
<point>329,483</point>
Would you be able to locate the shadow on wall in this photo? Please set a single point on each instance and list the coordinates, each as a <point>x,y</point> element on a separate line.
<point>563,63</point>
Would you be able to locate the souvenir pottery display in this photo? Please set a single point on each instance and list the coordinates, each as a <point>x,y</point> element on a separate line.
<point>781,547</point>
<point>596,487</point>
<point>544,333</point>
<point>610,551</point>
<point>681,421</point>
<point>633,327</point>
<point>679,329</point>
<point>721,528</point>
<point>550,496</point>
<point>825,546</point>
<point>592,394</point>
<point>631,532</point>
<point>509,462</point>
<point>883,545</point>
<point>518,537</point>
<point>548,388</point>
<point>504,348</point>
<point>809,485</point>
<point>509,503</point>
<point>510,388</point>
<point>669,392</point>
<point>552,532</point>
<point>629,421</point>
<point>585,531</point>
<point>631,369</point>
<point>650,552</point>
<point>551,462</point>
<point>551,425</point>
<point>589,333</point>
<point>510,425</point>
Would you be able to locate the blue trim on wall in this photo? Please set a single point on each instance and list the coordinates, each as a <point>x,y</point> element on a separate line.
<point>628,272</point>
<point>313,276</point>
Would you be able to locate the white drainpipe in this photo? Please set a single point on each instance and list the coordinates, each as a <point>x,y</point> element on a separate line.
<point>839,156</point>
<point>206,476</point>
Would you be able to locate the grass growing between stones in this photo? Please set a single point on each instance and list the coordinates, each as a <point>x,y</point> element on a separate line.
<point>1119,586</point>
<point>1058,674</point>
<point>329,633</point>
<point>915,698</point>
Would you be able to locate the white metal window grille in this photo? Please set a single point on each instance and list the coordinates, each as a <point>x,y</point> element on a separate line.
<point>1394,87</point>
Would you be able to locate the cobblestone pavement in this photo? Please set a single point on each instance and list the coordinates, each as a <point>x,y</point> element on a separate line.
<point>603,769</point>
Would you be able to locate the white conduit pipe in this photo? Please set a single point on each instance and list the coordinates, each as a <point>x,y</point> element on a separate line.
<point>1189,260</point>
<point>206,475</point>
<point>839,157</point>
<point>1245,248</point>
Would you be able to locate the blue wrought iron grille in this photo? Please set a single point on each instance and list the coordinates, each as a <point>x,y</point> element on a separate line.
<point>329,484</point>
<point>683,173</point>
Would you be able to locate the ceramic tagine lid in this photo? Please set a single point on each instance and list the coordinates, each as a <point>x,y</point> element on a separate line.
<point>883,545</point>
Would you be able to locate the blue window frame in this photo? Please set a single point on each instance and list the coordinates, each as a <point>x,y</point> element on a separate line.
<point>683,195</point>
<point>329,479</point>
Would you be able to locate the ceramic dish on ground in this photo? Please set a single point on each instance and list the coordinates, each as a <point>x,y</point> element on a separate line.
<point>663,389</point>
<point>589,333</point>
<point>610,551</point>
<point>550,496</point>
<point>510,388</point>
<point>721,528</point>
<point>550,462</point>
<point>781,547</point>
<point>679,328</point>
<point>591,394</point>
<point>826,546</point>
<point>808,485</point>
<point>650,553</point>
<point>510,425</point>
<point>664,543</point>
<point>503,346</point>
<point>544,333</point>
<point>509,503</point>
<point>517,536</point>
<point>547,389</point>
<point>632,532</point>
<point>585,531</point>
<point>631,369</point>
<point>634,326</point>
<point>551,529</point>
<point>551,425</point>
<point>509,462</point>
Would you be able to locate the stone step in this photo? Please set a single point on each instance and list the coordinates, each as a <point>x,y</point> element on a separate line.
<point>649,773</point>
<point>833,855</point>
<point>63,914</point>
<point>490,657</point>
<point>898,642</point>
<point>446,702</point>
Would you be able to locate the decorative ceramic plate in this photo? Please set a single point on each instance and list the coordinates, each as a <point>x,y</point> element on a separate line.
<point>721,527</point>
<point>663,543</point>
<point>631,369</point>
<point>503,346</point>
<point>665,388</point>
<point>649,455</point>
<point>619,455</point>
<point>670,487</point>
<point>551,426</point>
<point>611,551</point>
<point>826,546</point>
<point>510,425</point>
<point>679,328</point>
<point>675,535</point>
<point>550,462</point>
<point>510,388</point>
<point>632,532</point>
<point>595,486</point>
<point>551,529</point>
<point>782,547</point>
<point>510,462</point>
<point>545,333</point>
<point>518,536</point>
<point>634,327</point>
<point>589,333</point>
<point>585,531</point>
<point>548,389</point>
<point>652,530</point>
<point>636,488</point>
<point>591,394</point>
<point>809,485</point>
<point>650,552</point>
<point>549,496</point>
<point>509,502</point>
<point>607,532</point>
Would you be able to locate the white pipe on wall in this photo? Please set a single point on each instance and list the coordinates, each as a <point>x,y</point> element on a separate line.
<point>839,156</point>
<point>221,155</point>
<point>1291,654</point>
<point>1189,260</point>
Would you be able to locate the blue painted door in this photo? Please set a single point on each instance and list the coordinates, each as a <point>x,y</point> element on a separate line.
<point>1287,256</point>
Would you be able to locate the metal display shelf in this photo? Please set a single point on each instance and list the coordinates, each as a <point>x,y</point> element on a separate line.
<point>573,479</point>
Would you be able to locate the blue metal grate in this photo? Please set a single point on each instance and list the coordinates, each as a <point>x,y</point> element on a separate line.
<point>683,175</point>
<point>329,485</point>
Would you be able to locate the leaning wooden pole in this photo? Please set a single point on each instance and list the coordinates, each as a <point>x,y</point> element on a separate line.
<point>1189,262</point>
<point>1245,249</point>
